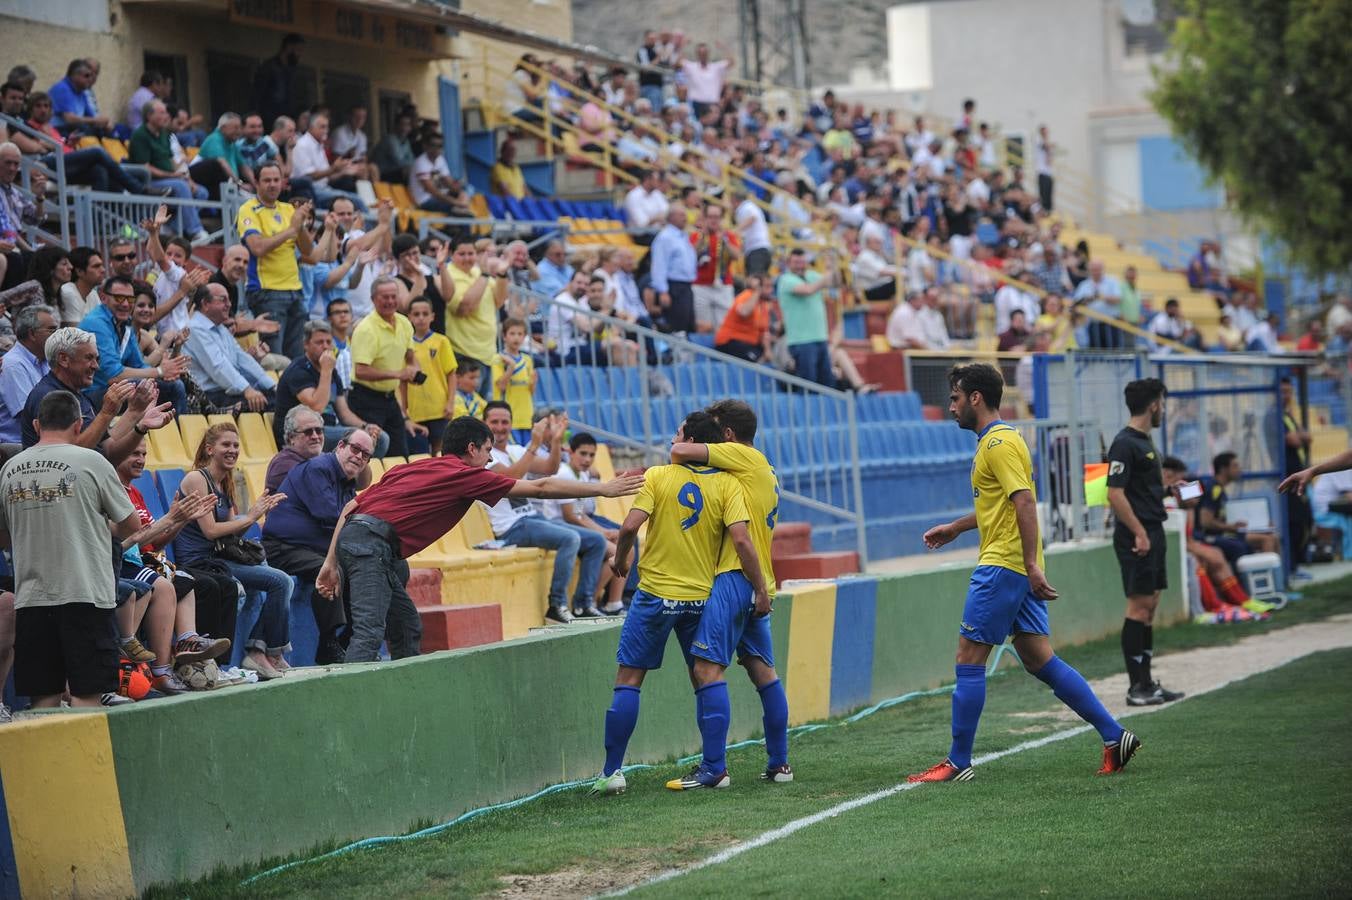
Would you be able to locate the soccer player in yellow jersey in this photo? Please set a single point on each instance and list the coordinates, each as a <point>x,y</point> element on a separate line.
<point>731,618</point>
<point>1008,593</point>
<point>688,509</point>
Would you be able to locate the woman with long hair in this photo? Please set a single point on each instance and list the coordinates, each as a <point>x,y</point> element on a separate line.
<point>51,268</point>
<point>201,541</point>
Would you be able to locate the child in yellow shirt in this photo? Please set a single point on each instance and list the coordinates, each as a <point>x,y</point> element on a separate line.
<point>514,376</point>
<point>467,401</point>
<point>428,398</point>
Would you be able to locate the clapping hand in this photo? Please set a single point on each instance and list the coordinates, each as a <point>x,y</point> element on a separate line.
<point>117,394</point>
<point>264,505</point>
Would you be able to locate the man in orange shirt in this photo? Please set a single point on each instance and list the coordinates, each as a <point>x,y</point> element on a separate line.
<point>745,332</point>
<point>716,249</point>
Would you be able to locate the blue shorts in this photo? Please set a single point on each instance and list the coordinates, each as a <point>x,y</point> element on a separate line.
<point>729,622</point>
<point>999,604</point>
<point>643,638</point>
<point>128,588</point>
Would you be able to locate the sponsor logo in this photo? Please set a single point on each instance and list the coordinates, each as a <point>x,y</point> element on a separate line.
<point>701,645</point>
<point>966,627</point>
<point>994,442</point>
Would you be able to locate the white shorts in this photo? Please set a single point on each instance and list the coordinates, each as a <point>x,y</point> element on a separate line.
<point>712,302</point>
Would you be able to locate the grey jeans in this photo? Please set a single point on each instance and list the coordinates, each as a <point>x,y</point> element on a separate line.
<point>381,608</point>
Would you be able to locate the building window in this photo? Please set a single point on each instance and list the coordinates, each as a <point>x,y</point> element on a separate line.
<point>1147,25</point>
<point>172,66</point>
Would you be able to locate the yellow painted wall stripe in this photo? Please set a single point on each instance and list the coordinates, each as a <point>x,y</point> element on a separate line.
<point>811,632</point>
<point>65,813</point>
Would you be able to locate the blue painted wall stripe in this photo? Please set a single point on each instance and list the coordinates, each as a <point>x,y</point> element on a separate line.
<point>852,645</point>
<point>9,868</point>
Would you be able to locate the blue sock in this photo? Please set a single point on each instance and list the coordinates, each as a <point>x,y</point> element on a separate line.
<point>620,721</point>
<point>1071,689</point>
<point>968,698</point>
<point>775,719</point>
<point>714,712</point>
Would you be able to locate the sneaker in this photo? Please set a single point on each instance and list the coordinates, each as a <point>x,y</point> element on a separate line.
<point>587,612</point>
<point>1300,576</point>
<point>558,614</point>
<point>200,237</point>
<point>263,670</point>
<point>700,777</point>
<point>1168,695</point>
<point>944,771</point>
<point>133,650</point>
<point>778,774</point>
<point>198,647</point>
<point>1144,695</point>
<point>169,684</point>
<point>613,783</point>
<point>1116,756</point>
<point>613,610</point>
<point>234,675</point>
<point>1259,607</point>
<point>6,714</point>
<point>112,699</point>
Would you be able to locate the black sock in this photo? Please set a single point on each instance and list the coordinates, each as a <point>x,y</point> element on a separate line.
<point>1148,650</point>
<point>1133,649</point>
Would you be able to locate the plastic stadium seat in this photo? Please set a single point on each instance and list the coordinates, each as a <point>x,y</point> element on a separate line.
<point>255,477</point>
<point>145,483</point>
<point>515,209</point>
<point>164,450</point>
<point>256,437</point>
<point>116,149</point>
<point>605,468</point>
<point>384,190</point>
<point>168,482</point>
<point>496,208</point>
<point>193,428</point>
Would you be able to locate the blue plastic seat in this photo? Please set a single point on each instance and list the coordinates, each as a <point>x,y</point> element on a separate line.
<point>168,482</point>
<point>145,483</point>
<point>515,209</point>
<point>496,208</point>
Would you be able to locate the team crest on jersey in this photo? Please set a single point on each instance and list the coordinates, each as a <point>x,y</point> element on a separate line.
<point>1150,455</point>
<point>1116,468</point>
<point>248,223</point>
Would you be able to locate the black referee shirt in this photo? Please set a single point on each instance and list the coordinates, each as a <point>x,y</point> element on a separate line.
<point>1134,465</point>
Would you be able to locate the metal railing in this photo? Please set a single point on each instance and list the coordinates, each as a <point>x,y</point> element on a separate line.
<point>56,178</point>
<point>1060,454</point>
<point>99,217</point>
<point>809,433</point>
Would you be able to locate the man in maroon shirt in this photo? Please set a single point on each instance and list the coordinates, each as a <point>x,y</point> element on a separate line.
<point>408,510</point>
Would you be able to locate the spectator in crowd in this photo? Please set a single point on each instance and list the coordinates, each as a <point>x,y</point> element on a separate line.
<point>430,184</point>
<point>1049,273</point>
<point>1204,270</point>
<point>273,84</point>
<point>71,102</point>
<point>467,400</point>
<point>608,346</point>
<point>514,376</point>
<point>302,439</point>
<point>553,269</point>
<point>1331,500</point>
<point>339,313</point>
<point>645,206</point>
<point>219,160</point>
<point>1210,525</point>
<point>23,366</point>
<point>516,521</point>
<point>230,377</point>
<point>650,57</point>
<point>417,279</point>
<point>1293,449</point>
<point>72,359</point>
<point>149,146</point>
<point>50,267</point>
<point>1229,339</point>
<point>1340,314</point>
<point>1102,294</point>
<point>1168,323</point>
<point>393,155</point>
<point>349,140</point>
<point>297,533</point>
<point>581,514</point>
<point>216,536</point>
<point>233,275</point>
<point>1016,336</point>
<point>745,332</point>
<point>17,210</point>
<point>1054,320</point>
<point>932,320</point>
<point>65,630</point>
<point>429,397</point>
<point>506,178</point>
<point>1312,341</point>
<point>173,615</point>
<point>120,349</point>
<point>274,231</point>
<point>674,265</point>
<point>474,290</point>
<point>154,86</point>
<point>256,147</point>
<point>754,232</point>
<point>716,250</point>
<point>80,295</point>
<point>905,329</point>
<point>155,349</point>
<point>310,167</point>
<point>802,302</point>
<point>89,166</point>
<point>872,273</point>
<point>1262,336</point>
<point>173,283</point>
<point>568,329</point>
<point>409,509</point>
<point>383,361</point>
<point>1129,300</point>
<point>312,381</point>
<point>1043,153</point>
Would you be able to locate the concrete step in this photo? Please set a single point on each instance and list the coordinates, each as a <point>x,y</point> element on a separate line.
<point>791,538</point>
<point>424,587</point>
<point>815,565</point>
<point>451,627</point>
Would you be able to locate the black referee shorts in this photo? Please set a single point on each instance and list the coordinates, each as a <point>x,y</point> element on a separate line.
<point>1142,575</point>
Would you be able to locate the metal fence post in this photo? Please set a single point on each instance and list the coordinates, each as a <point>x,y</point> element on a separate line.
<point>83,213</point>
<point>861,531</point>
<point>1079,519</point>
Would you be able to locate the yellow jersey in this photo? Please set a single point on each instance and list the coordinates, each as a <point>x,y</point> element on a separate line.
<point>436,359</point>
<point>760,488</point>
<point>474,335</point>
<point>468,404</point>
<point>520,393</point>
<point>1000,468</point>
<point>278,270</point>
<point>689,508</point>
<point>381,345</point>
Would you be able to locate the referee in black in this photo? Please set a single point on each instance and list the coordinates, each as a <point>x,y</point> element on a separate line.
<point>1136,494</point>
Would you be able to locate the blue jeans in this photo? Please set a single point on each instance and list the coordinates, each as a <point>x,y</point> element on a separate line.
<point>287,309</point>
<point>568,547</point>
<point>593,544</point>
<point>191,222</point>
<point>272,632</point>
<point>381,607</point>
<point>812,362</point>
<point>653,94</point>
<point>93,166</point>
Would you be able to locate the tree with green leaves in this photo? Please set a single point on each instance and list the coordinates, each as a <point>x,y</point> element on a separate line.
<point>1260,91</point>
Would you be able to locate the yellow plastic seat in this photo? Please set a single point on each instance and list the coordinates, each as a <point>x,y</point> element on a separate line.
<point>603,465</point>
<point>193,428</point>
<point>116,149</point>
<point>255,479</point>
<point>164,450</point>
<point>256,437</point>
<point>417,456</point>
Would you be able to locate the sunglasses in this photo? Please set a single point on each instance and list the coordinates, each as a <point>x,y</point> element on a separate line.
<point>123,257</point>
<point>357,451</point>
<point>311,432</point>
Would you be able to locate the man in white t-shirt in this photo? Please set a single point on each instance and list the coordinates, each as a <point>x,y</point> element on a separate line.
<point>755,232</point>
<point>704,79</point>
<point>430,183</point>
<point>645,205</point>
<point>905,330</point>
<point>516,522</point>
<point>311,167</point>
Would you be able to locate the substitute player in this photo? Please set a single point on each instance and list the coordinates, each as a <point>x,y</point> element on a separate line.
<point>731,618</point>
<point>1008,591</point>
<point>688,508</point>
<point>1136,494</point>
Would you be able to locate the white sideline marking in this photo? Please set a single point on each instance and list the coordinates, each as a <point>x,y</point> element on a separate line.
<point>783,831</point>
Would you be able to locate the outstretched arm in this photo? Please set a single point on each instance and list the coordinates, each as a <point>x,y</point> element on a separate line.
<point>567,489</point>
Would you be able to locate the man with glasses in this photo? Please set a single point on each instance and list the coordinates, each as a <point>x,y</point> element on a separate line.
<point>313,382</point>
<point>298,531</point>
<point>303,434</point>
<point>220,367</point>
<point>119,349</point>
<point>23,366</point>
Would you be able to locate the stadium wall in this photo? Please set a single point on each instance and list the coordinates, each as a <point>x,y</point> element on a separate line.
<point>109,803</point>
